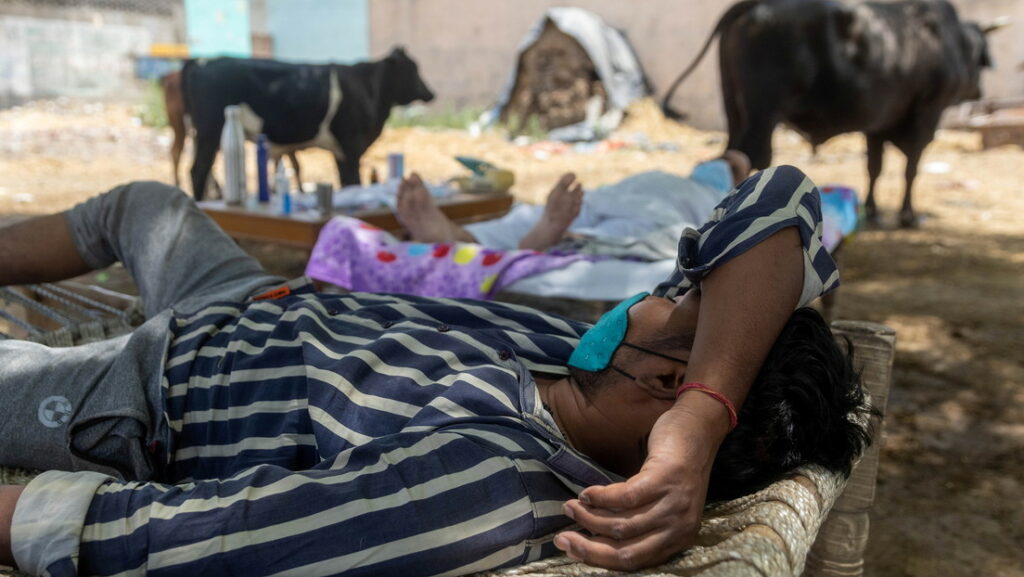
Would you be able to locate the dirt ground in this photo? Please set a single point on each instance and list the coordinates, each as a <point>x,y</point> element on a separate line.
<point>950,495</point>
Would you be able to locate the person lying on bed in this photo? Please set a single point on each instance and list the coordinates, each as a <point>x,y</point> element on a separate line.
<point>253,426</point>
<point>639,216</point>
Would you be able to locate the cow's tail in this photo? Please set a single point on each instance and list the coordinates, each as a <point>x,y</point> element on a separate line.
<point>735,11</point>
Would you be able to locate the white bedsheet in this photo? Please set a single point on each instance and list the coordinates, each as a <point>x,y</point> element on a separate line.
<point>610,280</point>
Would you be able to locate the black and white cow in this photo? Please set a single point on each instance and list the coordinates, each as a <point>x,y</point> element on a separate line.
<point>337,107</point>
<point>887,69</point>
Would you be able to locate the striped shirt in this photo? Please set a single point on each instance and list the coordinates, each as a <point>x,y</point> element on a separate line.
<point>369,434</point>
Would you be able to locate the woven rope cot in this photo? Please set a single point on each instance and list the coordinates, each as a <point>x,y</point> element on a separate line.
<point>66,313</point>
<point>812,523</point>
<point>768,533</point>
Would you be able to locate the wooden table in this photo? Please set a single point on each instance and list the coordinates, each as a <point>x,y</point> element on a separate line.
<point>301,228</point>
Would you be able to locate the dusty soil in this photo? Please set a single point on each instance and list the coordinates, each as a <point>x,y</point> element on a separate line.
<point>950,496</point>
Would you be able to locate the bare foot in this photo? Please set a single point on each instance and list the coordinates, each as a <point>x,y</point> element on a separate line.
<point>419,215</point>
<point>563,206</point>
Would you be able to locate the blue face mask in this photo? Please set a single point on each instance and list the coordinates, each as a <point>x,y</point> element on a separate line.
<point>598,345</point>
<point>715,174</point>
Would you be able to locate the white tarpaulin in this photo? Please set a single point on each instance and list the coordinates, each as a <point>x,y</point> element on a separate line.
<point>614,61</point>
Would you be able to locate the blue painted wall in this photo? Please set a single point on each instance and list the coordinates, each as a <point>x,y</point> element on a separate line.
<point>218,28</point>
<point>319,30</point>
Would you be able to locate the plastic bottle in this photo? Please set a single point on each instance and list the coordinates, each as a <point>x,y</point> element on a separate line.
<point>232,144</point>
<point>286,203</point>
<point>261,169</point>
<point>396,166</point>
<point>282,188</point>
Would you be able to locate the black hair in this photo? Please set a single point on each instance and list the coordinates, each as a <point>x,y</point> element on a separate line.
<point>806,406</point>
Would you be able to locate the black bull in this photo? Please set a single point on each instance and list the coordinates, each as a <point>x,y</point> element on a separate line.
<point>337,107</point>
<point>885,69</point>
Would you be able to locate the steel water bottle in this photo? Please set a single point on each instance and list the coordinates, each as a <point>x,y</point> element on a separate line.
<point>232,144</point>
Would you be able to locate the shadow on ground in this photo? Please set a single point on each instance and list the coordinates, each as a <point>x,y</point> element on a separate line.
<point>953,461</point>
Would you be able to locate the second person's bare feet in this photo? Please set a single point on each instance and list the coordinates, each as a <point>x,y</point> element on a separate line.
<point>419,215</point>
<point>563,206</point>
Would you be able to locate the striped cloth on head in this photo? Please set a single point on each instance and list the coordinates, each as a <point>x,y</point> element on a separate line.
<point>763,204</point>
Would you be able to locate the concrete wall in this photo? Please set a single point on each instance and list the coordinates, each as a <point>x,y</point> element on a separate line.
<point>50,51</point>
<point>319,30</point>
<point>218,28</point>
<point>465,48</point>
<point>1006,80</point>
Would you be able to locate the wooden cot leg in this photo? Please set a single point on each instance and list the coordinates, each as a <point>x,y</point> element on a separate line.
<point>839,548</point>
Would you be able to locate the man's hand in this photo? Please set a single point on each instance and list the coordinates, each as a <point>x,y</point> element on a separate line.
<point>654,514</point>
<point>8,499</point>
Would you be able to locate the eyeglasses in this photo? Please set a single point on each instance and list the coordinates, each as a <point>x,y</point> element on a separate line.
<point>648,351</point>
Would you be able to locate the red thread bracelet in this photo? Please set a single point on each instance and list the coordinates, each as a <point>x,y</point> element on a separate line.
<point>733,419</point>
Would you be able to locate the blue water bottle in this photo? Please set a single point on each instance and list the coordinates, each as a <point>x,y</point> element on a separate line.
<point>261,169</point>
<point>286,203</point>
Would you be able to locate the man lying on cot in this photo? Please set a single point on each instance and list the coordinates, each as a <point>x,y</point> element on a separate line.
<point>252,426</point>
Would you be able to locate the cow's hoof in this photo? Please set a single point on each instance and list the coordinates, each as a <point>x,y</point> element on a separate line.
<point>871,219</point>
<point>909,220</point>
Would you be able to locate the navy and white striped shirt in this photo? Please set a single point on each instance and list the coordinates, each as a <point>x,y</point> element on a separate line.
<point>370,434</point>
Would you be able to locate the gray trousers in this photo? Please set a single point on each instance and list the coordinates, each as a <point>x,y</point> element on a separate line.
<point>99,406</point>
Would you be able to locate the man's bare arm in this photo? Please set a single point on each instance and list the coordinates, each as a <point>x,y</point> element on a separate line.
<point>38,250</point>
<point>656,513</point>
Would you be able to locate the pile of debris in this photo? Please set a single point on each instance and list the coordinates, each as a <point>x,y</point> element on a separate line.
<point>573,72</point>
<point>556,81</point>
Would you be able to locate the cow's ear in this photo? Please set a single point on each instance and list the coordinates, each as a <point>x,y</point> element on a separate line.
<point>398,51</point>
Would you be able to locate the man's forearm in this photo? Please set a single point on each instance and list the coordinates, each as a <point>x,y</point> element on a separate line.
<point>8,500</point>
<point>744,305</point>
<point>38,250</point>
<point>747,297</point>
